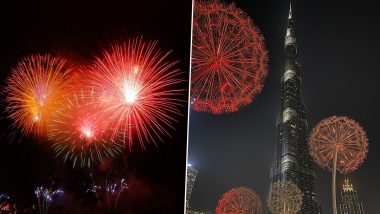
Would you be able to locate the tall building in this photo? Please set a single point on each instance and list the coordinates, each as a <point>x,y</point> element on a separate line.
<point>292,161</point>
<point>350,200</point>
<point>191,176</point>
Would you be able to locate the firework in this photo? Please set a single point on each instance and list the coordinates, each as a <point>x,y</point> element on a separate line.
<point>139,89</point>
<point>33,90</point>
<point>229,60</point>
<point>239,201</point>
<point>115,189</point>
<point>109,194</point>
<point>45,198</point>
<point>338,144</point>
<point>76,130</point>
<point>4,205</point>
<point>4,197</point>
<point>284,197</point>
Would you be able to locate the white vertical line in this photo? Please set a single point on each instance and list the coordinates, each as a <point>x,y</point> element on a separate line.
<point>188,102</point>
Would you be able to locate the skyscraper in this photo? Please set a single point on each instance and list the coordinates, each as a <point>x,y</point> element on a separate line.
<point>350,200</point>
<point>191,176</point>
<point>292,160</point>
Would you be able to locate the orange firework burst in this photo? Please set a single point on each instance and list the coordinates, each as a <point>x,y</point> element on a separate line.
<point>139,89</point>
<point>33,90</point>
<point>76,130</point>
<point>338,144</point>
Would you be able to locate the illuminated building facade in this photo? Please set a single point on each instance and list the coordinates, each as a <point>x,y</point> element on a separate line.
<point>198,212</point>
<point>292,161</point>
<point>350,200</point>
<point>191,176</point>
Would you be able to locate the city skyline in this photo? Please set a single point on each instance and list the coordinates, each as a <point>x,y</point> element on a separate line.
<point>237,149</point>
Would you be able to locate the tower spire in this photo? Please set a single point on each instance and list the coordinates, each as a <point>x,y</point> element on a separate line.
<point>292,160</point>
<point>290,30</point>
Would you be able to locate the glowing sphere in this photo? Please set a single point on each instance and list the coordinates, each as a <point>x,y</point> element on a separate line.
<point>131,91</point>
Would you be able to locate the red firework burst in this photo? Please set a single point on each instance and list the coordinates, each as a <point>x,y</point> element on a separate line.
<point>139,90</point>
<point>229,59</point>
<point>338,144</point>
<point>34,89</point>
<point>76,130</point>
<point>239,201</point>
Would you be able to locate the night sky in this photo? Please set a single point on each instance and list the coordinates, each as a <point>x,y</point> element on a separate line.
<point>79,31</point>
<point>338,45</point>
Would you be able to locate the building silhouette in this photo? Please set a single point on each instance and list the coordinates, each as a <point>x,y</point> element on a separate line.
<point>350,200</point>
<point>191,176</point>
<point>292,161</point>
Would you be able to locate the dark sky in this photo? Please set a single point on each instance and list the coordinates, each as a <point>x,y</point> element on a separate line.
<point>79,30</point>
<point>338,49</point>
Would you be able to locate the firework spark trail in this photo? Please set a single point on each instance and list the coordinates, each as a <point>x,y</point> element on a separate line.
<point>229,59</point>
<point>76,130</point>
<point>123,185</point>
<point>33,90</point>
<point>95,189</point>
<point>111,193</point>
<point>45,197</point>
<point>139,89</point>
